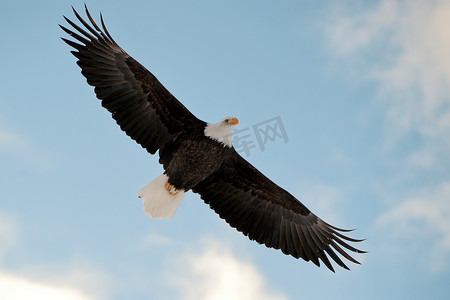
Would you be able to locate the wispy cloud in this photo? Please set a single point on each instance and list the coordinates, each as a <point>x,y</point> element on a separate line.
<point>215,273</point>
<point>154,239</point>
<point>17,145</point>
<point>8,234</point>
<point>402,47</point>
<point>351,30</point>
<point>13,142</point>
<point>423,215</point>
<point>323,200</point>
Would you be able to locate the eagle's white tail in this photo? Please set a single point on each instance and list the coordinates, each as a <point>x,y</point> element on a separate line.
<point>157,201</point>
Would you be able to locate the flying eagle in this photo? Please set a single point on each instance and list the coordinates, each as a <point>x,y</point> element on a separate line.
<point>198,156</point>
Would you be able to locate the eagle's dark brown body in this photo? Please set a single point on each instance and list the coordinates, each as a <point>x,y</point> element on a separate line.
<point>192,158</point>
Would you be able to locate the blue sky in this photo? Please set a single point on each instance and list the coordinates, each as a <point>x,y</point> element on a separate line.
<point>363,93</point>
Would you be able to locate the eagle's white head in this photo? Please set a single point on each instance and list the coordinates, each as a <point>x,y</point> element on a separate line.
<point>221,131</point>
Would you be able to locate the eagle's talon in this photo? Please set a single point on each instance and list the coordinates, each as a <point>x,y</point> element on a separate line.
<point>172,191</point>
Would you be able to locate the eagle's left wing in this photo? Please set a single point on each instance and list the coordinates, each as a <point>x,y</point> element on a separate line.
<point>266,213</point>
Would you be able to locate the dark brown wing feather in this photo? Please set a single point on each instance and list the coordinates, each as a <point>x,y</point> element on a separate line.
<point>139,103</point>
<point>268,214</point>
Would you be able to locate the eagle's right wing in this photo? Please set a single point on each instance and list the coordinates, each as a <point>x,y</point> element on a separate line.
<point>139,103</point>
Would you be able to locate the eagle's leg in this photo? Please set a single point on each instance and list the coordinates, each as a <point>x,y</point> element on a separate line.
<point>157,199</point>
<point>171,189</point>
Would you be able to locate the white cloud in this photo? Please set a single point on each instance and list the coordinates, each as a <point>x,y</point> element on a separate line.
<point>216,273</point>
<point>13,287</point>
<point>76,279</point>
<point>77,274</point>
<point>425,214</point>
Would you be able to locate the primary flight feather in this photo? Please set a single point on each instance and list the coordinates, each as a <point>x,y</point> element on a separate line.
<point>198,156</point>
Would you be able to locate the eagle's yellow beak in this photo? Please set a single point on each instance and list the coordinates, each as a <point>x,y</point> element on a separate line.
<point>233,121</point>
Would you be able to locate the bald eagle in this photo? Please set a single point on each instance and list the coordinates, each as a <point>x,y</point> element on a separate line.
<point>198,156</point>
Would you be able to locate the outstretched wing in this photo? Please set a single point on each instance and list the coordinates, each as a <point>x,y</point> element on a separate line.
<point>139,103</point>
<point>266,213</point>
